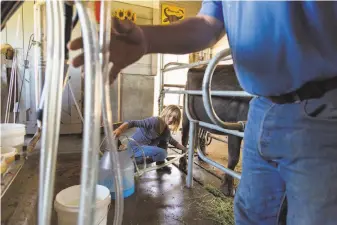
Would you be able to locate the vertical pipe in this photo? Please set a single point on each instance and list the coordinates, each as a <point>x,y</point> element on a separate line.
<point>192,135</point>
<point>206,93</point>
<point>119,96</point>
<point>92,113</point>
<point>161,83</point>
<point>75,102</point>
<point>104,39</point>
<point>37,52</point>
<point>52,109</point>
<point>14,101</point>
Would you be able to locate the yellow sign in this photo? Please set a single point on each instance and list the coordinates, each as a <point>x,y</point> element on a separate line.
<point>171,14</point>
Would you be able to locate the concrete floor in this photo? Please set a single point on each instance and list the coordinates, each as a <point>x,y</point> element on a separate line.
<point>159,198</point>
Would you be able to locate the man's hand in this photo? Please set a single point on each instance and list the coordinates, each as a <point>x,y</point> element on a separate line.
<point>127,46</point>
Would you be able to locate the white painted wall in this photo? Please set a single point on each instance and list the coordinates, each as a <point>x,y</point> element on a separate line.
<point>17,34</point>
<point>18,37</point>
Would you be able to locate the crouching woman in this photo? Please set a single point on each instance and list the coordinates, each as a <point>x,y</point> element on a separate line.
<point>153,135</point>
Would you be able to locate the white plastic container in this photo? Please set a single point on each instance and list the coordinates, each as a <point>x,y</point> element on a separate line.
<point>106,176</point>
<point>12,135</point>
<point>67,204</point>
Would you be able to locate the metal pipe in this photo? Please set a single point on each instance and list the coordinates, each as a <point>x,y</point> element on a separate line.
<point>192,136</point>
<point>226,131</point>
<point>215,137</point>
<point>190,65</point>
<point>173,64</point>
<point>104,41</point>
<point>191,140</point>
<point>92,113</point>
<point>213,93</point>
<point>187,110</point>
<point>179,66</point>
<point>38,52</point>
<point>76,104</point>
<point>14,100</point>
<point>206,93</point>
<point>52,109</point>
<point>175,85</point>
<point>161,85</point>
<point>217,165</point>
<point>208,125</point>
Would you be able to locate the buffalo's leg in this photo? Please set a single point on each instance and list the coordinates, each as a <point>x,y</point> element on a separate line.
<point>234,144</point>
<point>184,141</point>
<point>202,142</point>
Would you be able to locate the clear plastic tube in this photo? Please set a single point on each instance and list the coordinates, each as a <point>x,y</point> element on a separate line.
<point>92,112</point>
<point>49,71</point>
<point>10,89</point>
<point>104,40</point>
<point>14,100</point>
<point>52,109</point>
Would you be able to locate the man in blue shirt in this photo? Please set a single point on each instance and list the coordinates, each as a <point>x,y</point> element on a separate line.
<point>285,53</point>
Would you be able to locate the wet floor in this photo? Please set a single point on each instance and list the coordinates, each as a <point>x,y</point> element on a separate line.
<point>159,198</point>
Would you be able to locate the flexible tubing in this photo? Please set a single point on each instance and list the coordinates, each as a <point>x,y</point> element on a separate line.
<point>48,74</point>
<point>52,115</point>
<point>14,100</point>
<point>104,41</point>
<point>92,113</point>
<point>10,89</point>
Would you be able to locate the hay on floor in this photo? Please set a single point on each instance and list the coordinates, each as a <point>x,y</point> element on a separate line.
<point>218,208</point>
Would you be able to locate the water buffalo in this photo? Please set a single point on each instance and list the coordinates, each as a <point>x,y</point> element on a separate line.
<point>229,109</point>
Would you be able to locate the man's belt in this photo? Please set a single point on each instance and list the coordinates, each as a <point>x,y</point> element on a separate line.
<point>310,90</point>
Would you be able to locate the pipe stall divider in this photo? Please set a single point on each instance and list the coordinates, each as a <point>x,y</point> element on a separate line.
<point>222,126</point>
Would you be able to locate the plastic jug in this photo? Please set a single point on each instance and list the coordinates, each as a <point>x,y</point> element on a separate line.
<point>106,175</point>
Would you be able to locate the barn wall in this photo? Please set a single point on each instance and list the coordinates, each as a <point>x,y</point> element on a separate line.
<point>136,82</point>
<point>179,76</point>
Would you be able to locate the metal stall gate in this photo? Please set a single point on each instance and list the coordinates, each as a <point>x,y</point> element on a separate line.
<point>206,93</point>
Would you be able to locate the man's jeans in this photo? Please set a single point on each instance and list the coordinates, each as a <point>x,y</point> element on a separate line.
<point>289,149</point>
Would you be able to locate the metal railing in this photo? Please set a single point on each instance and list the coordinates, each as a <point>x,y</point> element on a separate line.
<point>171,66</point>
<point>219,125</point>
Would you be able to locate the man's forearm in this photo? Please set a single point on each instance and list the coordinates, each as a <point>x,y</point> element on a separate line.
<point>190,35</point>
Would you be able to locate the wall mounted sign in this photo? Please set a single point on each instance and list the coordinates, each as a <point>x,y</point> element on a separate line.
<point>171,14</point>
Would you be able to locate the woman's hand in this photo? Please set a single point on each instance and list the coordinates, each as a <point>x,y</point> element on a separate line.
<point>117,132</point>
<point>128,44</point>
<point>121,129</point>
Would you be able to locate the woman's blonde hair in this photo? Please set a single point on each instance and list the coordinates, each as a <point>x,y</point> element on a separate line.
<point>172,110</point>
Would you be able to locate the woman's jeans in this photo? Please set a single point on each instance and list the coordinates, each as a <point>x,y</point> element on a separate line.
<point>155,153</point>
<point>291,150</point>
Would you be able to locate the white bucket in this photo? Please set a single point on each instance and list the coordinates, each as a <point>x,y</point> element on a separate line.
<point>67,205</point>
<point>12,135</point>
